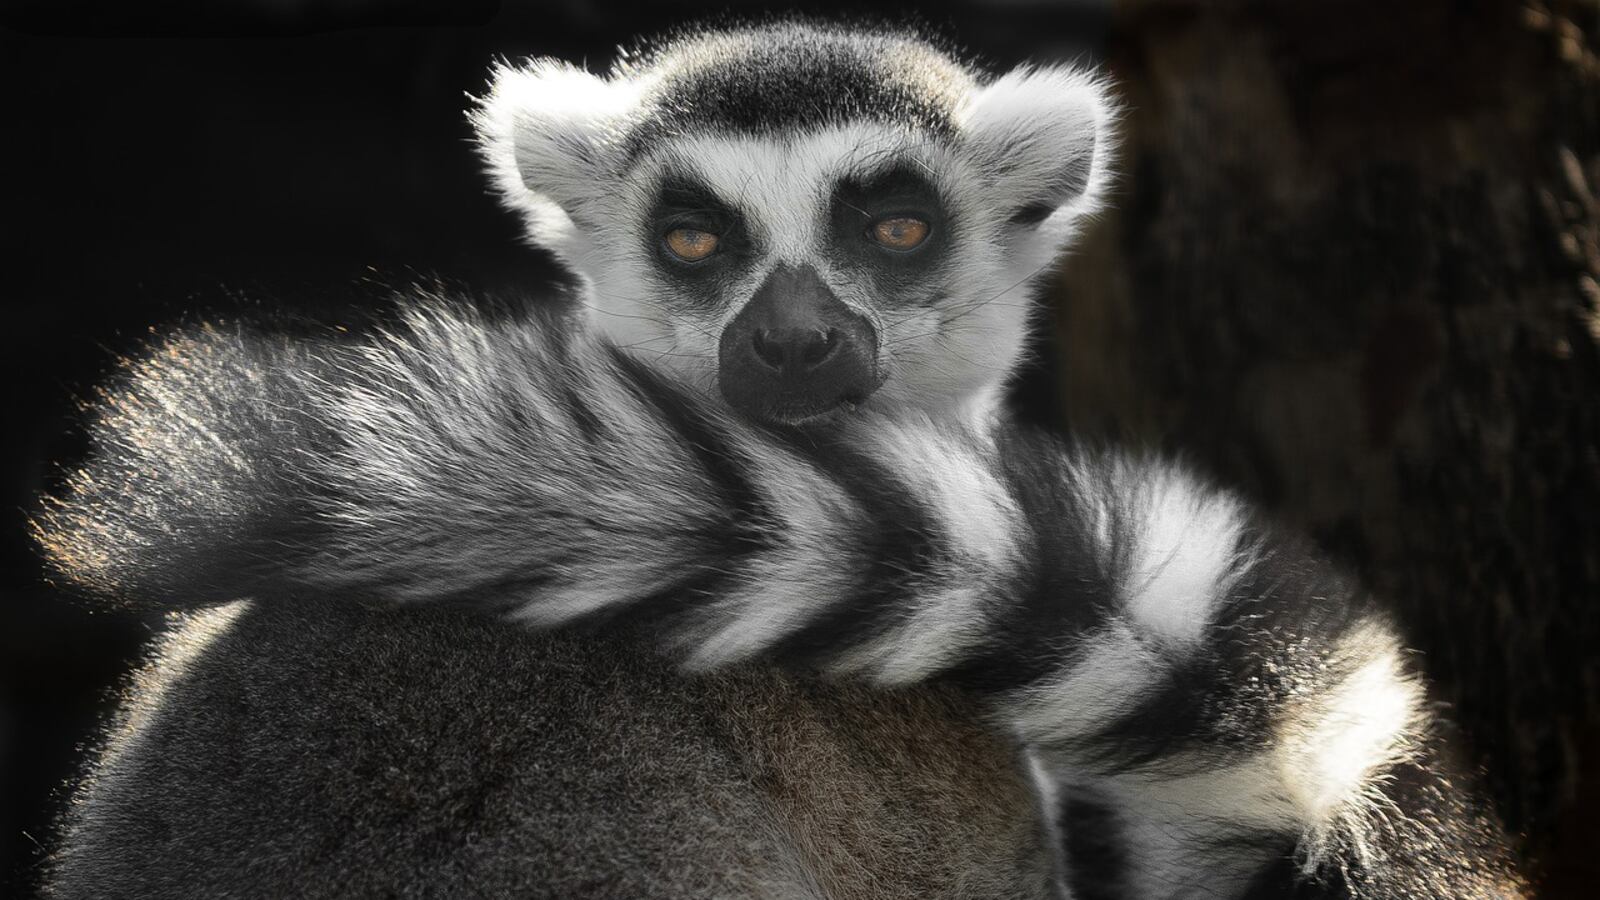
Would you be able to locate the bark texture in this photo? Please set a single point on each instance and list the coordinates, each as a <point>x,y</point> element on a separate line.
<point>1353,269</point>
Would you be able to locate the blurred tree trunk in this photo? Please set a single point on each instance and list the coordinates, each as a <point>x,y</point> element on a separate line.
<point>1353,270</point>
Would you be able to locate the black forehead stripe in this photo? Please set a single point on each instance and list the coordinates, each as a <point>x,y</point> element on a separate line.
<point>681,192</point>
<point>896,182</point>
<point>807,92</point>
<point>792,78</point>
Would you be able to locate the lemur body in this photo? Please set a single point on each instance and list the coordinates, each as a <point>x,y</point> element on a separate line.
<point>1236,713</point>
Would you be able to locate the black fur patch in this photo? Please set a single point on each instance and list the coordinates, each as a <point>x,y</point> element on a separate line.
<point>1096,853</point>
<point>796,77</point>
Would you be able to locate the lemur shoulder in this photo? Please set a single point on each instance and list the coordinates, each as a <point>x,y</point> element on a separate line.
<point>765,435</point>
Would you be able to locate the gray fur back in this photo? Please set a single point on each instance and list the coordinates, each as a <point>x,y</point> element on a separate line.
<point>321,748</point>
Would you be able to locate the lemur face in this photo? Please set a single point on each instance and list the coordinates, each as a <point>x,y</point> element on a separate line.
<point>803,219</point>
<point>803,272</point>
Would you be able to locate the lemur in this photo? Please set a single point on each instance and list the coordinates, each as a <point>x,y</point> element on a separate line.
<point>768,436</point>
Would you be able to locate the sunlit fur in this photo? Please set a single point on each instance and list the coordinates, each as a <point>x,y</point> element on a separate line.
<point>1146,640</point>
<point>557,141</point>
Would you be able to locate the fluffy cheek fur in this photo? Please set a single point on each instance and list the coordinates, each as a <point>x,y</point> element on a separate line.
<point>639,307</point>
<point>961,347</point>
<point>628,306</point>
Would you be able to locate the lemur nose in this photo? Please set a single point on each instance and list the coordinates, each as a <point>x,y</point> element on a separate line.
<point>796,351</point>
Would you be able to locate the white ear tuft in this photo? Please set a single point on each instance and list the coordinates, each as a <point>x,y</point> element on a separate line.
<point>549,133</point>
<point>1046,135</point>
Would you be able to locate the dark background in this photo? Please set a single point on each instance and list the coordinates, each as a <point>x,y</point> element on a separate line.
<point>1351,270</point>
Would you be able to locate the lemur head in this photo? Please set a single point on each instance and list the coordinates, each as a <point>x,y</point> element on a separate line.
<point>804,217</point>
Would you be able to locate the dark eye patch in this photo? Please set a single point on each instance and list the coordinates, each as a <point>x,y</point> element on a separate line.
<point>683,203</point>
<point>858,205</point>
<point>900,190</point>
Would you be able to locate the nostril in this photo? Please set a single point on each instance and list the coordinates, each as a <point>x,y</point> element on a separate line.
<point>767,349</point>
<point>819,346</point>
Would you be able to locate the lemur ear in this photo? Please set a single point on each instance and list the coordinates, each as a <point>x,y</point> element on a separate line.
<point>548,132</point>
<point>1046,134</point>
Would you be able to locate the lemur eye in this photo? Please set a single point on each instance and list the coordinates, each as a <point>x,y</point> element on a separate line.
<point>691,245</point>
<point>899,232</point>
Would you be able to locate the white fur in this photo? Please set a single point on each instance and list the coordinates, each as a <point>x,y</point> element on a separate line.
<point>547,131</point>
<point>1336,745</point>
<point>1032,124</point>
<point>1109,673</point>
<point>1185,555</point>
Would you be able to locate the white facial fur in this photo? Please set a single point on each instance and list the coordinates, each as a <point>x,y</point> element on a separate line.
<point>1039,138</point>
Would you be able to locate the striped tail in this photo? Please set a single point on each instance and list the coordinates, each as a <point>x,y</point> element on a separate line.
<point>1208,689</point>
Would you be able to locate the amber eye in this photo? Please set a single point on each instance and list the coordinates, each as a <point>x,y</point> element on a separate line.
<point>691,245</point>
<point>900,232</point>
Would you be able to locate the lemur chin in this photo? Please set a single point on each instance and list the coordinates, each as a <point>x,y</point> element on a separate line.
<point>808,218</point>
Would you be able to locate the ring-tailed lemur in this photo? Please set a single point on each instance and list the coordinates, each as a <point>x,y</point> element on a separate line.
<point>1223,700</point>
